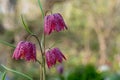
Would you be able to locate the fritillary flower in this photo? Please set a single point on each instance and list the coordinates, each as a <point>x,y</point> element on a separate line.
<point>54,22</point>
<point>54,55</point>
<point>25,50</point>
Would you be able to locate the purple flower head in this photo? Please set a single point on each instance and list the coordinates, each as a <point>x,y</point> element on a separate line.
<point>25,50</point>
<point>60,69</point>
<point>54,22</point>
<point>54,55</point>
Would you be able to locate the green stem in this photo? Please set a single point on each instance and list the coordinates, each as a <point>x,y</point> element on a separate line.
<point>44,59</point>
<point>42,66</point>
<point>39,62</point>
<point>38,42</point>
<point>43,52</point>
<point>40,5</point>
<point>41,73</point>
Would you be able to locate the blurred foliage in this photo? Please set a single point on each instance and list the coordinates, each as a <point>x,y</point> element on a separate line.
<point>87,72</point>
<point>115,76</point>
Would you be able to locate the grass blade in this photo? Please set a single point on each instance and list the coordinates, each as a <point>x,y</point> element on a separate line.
<point>6,43</point>
<point>14,71</point>
<point>25,26</point>
<point>3,76</point>
<point>40,5</point>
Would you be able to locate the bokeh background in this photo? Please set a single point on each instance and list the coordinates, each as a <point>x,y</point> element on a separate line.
<point>91,44</point>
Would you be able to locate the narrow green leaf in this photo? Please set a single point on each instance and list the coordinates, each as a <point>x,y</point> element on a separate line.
<point>14,71</point>
<point>3,76</point>
<point>55,43</point>
<point>6,43</point>
<point>25,26</point>
<point>40,5</point>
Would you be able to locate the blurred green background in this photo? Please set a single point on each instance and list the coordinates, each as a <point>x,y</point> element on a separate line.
<point>91,43</point>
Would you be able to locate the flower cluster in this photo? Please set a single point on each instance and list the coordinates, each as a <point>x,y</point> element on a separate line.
<point>27,50</point>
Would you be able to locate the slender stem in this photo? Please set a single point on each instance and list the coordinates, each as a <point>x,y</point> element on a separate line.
<point>41,71</point>
<point>38,43</point>
<point>40,5</point>
<point>37,40</point>
<point>44,69</point>
<point>43,52</point>
<point>39,62</point>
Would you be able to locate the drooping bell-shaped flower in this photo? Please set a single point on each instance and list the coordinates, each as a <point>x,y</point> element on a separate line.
<point>54,55</point>
<point>25,50</point>
<point>54,22</point>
